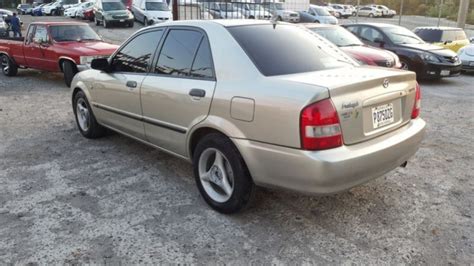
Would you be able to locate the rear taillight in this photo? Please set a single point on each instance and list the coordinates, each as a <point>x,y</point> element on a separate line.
<point>417,105</point>
<point>319,126</point>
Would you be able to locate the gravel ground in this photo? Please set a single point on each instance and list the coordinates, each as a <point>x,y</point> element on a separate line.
<point>66,199</point>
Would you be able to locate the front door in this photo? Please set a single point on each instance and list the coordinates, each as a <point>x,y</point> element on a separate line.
<point>178,92</point>
<point>118,91</point>
<point>37,49</point>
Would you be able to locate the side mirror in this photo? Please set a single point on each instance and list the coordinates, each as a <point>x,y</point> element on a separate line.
<point>101,64</point>
<point>379,41</point>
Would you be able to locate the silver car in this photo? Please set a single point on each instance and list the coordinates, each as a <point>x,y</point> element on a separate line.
<point>231,97</point>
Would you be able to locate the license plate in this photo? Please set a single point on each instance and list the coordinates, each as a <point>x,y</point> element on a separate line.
<point>445,72</point>
<point>471,64</point>
<point>122,20</point>
<point>382,115</point>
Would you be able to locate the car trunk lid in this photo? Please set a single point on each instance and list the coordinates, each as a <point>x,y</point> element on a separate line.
<point>370,101</point>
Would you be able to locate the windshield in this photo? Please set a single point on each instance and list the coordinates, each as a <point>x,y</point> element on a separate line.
<point>73,33</point>
<point>112,6</point>
<point>268,47</point>
<point>321,12</point>
<point>399,35</point>
<point>338,35</point>
<point>25,6</point>
<point>226,7</point>
<point>157,6</point>
<point>255,7</point>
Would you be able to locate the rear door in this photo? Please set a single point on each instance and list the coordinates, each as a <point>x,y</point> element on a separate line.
<point>118,91</point>
<point>178,92</point>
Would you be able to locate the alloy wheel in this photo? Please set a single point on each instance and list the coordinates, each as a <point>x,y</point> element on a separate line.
<point>5,64</point>
<point>82,114</point>
<point>216,175</point>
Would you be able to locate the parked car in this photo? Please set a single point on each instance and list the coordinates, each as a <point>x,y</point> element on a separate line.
<point>66,47</point>
<point>427,60</point>
<point>351,45</point>
<point>109,12</point>
<point>466,54</point>
<point>74,11</point>
<point>351,9</point>
<point>252,10</point>
<point>51,9</point>
<point>223,10</point>
<point>386,12</point>
<point>341,11</point>
<point>3,28</point>
<point>38,10</point>
<point>69,3</point>
<point>5,13</point>
<point>280,13</point>
<point>262,115</point>
<point>447,37</point>
<point>368,11</point>
<point>318,14</point>
<point>149,12</point>
<point>87,14</point>
<point>24,9</point>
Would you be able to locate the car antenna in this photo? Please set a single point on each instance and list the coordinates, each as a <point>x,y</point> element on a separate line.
<point>274,21</point>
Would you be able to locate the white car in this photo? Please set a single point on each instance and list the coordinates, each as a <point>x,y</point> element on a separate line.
<point>75,10</point>
<point>466,55</point>
<point>368,11</point>
<point>252,11</point>
<point>340,11</point>
<point>386,12</point>
<point>280,13</point>
<point>51,9</point>
<point>150,12</point>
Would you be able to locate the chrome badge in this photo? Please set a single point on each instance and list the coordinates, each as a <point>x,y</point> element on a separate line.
<point>385,83</point>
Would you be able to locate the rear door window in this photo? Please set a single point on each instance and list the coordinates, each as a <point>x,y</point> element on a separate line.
<point>370,34</point>
<point>177,55</point>
<point>202,65</point>
<point>285,49</point>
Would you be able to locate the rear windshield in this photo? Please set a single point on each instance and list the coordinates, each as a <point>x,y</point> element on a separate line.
<point>287,49</point>
<point>429,35</point>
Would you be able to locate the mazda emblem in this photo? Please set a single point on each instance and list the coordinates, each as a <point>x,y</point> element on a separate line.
<point>385,83</point>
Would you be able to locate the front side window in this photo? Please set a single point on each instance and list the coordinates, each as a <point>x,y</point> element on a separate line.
<point>176,56</point>
<point>370,34</point>
<point>41,34</point>
<point>286,49</point>
<point>135,56</point>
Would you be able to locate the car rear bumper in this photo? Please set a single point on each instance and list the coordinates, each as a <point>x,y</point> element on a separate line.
<point>334,170</point>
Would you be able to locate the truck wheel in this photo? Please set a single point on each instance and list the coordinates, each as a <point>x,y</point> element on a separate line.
<point>221,174</point>
<point>69,70</point>
<point>85,119</point>
<point>9,68</point>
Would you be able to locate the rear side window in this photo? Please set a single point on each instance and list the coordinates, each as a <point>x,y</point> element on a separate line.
<point>284,49</point>
<point>429,35</point>
<point>202,66</point>
<point>177,54</point>
<point>135,56</point>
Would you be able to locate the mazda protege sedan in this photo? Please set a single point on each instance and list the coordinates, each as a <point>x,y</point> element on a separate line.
<point>253,103</point>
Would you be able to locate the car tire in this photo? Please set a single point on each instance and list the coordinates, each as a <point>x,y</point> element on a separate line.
<point>85,119</point>
<point>354,14</point>
<point>97,22</point>
<point>405,64</point>
<point>216,158</point>
<point>316,21</point>
<point>279,18</point>
<point>371,15</point>
<point>9,68</point>
<point>251,17</point>
<point>69,70</point>
<point>131,24</point>
<point>145,22</point>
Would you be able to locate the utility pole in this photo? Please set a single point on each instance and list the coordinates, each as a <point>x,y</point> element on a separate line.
<point>440,7</point>
<point>462,14</point>
<point>401,12</point>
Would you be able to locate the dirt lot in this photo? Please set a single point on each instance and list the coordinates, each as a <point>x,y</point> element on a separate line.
<point>64,198</point>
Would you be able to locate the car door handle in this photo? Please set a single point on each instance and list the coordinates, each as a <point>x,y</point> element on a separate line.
<point>197,93</point>
<point>131,84</point>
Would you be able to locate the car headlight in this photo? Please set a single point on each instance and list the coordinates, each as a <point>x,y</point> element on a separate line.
<point>430,57</point>
<point>86,60</point>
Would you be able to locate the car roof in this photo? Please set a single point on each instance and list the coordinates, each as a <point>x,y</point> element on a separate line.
<point>374,24</point>
<point>57,23</point>
<point>437,28</point>
<point>317,25</point>
<point>222,22</point>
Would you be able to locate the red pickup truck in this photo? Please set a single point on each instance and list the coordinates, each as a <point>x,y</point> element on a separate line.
<point>66,47</point>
